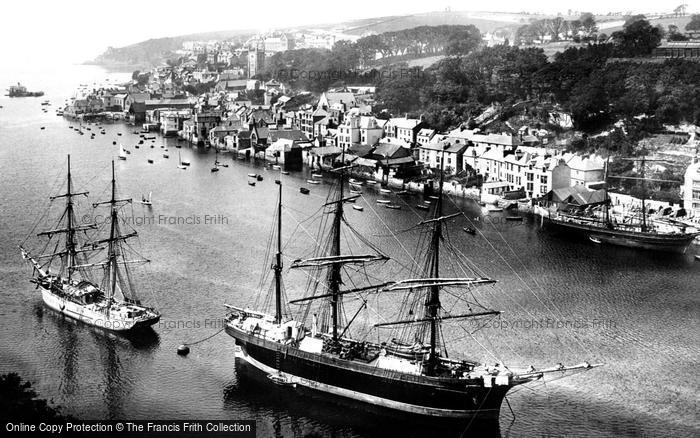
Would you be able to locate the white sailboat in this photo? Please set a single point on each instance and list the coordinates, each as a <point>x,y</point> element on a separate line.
<point>68,275</point>
<point>122,152</point>
<point>146,200</point>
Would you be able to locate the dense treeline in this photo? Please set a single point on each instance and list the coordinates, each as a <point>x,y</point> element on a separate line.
<point>582,29</point>
<point>419,41</point>
<point>599,84</point>
<point>317,69</point>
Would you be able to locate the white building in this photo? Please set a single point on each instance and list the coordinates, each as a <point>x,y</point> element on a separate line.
<point>403,128</point>
<point>691,189</point>
<point>585,170</point>
<point>430,154</point>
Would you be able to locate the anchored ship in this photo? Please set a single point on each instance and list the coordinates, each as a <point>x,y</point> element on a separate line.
<point>20,90</point>
<point>634,232</point>
<point>407,372</point>
<point>66,277</point>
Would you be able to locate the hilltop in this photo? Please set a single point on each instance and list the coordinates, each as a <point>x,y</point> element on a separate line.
<point>154,52</point>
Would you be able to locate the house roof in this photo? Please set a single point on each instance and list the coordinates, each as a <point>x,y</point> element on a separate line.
<point>262,131</point>
<point>326,150</point>
<point>493,154</point>
<point>578,162</point>
<point>167,103</point>
<point>345,98</point>
<point>578,195</point>
<point>452,148</point>
<point>288,134</point>
<point>499,139</point>
<point>404,123</point>
<point>361,150</point>
<point>397,161</point>
<point>281,144</point>
<point>390,150</point>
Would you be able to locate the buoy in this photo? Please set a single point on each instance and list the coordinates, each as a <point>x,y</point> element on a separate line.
<point>183,350</point>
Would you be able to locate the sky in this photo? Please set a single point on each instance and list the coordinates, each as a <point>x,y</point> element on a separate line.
<point>35,32</point>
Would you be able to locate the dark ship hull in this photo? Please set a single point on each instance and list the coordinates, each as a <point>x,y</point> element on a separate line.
<point>441,397</point>
<point>674,243</point>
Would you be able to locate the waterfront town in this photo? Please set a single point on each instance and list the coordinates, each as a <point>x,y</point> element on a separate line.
<point>445,223</point>
<point>215,96</point>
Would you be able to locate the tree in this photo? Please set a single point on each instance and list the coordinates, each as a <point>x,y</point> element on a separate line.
<point>631,19</point>
<point>677,37</point>
<point>555,26</point>
<point>588,23</point>
<point>539,28</point>
<point>694,23</point>
<point>461,43</point>
<point>346,55</point>
<point>637,38</point>
<point>19,402</point>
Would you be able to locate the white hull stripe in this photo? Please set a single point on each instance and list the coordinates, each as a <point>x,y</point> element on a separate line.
<point>367,398</point>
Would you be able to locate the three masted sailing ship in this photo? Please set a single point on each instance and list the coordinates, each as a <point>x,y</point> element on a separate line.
<point>600,226</point>
<point>412,374</point>
<point>66,274</point>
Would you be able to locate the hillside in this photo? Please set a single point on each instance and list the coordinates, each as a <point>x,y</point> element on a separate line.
<point>616,25</point>
<point>484,21</point>
<point>155,51</point>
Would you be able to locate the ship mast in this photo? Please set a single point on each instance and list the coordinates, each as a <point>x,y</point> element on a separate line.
<point>335,278</point>
<point>432,303</point>
<point>607,198</point>
<point>644,195</point>
<point>69,214</point>
<point>111,250</point>
<point>278,266</point>
<point>70,238</point>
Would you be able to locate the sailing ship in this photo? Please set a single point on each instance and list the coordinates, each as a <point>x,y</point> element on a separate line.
<point>66,278</point>
<point>409,373</point>
<point>603,227</point>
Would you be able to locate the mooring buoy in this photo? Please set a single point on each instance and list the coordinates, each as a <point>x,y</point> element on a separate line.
<point>183,350</point>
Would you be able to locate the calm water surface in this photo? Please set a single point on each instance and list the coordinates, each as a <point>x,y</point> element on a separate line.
<point>639,313</point>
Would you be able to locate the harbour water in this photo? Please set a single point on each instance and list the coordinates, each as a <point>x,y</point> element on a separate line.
<point>206,234</point>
